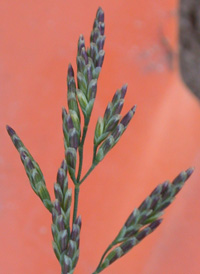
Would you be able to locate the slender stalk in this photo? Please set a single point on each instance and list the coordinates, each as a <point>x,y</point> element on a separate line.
<point>94,153</point>
<point>76,195</point>
<point>80,150</point>
<point>98,270</point>
<point>86,175</point>
<point>77,188</point>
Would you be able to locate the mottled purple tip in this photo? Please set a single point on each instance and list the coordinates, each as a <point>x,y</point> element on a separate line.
<point>64,112</point>
<point>101,58</point>
<point>64,165</point>
<point>57,206</point>
<point>10,131</point>
<point>100,15</point>
<point>100,42</point>
<point>63,241</point>
<point>126,119</point>
<point>156,191</point>
<point>126,246</point>
<point>69,122</point>
<point>23,156</point>
<point>30,164</point>
<point>142,234</point>
<point>66,265</point>
<point>101,28</point>
<point>92,89</point>
<point>154,202</point>
<point>73,139</point>
<point>70,71</point>
<point>70,251</point>
<point>180,178</point>
<point>155,224</point>
<point>118,107</point>
<point>60,222</point>
<point>84,55</point>
<point>81,44</point>
<point>89,73</point>
<point>189,172</point>
<point>117,132</point>
<point>106,146</point>
<point>71,161</point>
<point>165,187</point>
<point>60,177</point>
<point>134,108</point>
<point>123,91</point>
<point>78,221</point>
<point>75,232</point>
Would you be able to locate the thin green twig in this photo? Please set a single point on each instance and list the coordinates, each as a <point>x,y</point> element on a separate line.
<point>81,150</point>
<point>76,195</point>
<point>77,184</point>
<point>86,175</point>
<point>98,269</point>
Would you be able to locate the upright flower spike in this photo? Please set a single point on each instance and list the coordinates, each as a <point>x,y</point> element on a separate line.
<point>89,63</point>
<point>87,85</point>
<point>32,169</point>
<point>97,40</point>
<point>71,142</point>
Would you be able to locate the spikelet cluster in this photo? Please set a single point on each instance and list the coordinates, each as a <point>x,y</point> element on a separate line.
<point>65,241</point>
<point>89,63</point>
<point>144,219</point>
<point>32,169</point>
<point>110,128</point>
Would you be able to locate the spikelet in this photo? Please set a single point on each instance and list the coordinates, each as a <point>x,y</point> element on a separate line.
<point>32,169</point>
<point>72,101</point>
<point>111,117</point>
<point>110,132</point>
<point>71,256</point>
<point>71,141</point>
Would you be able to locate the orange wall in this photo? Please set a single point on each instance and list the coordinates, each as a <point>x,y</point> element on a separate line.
<point>39,39</point>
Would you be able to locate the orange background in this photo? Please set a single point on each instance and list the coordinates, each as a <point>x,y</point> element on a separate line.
<point>38,40</point>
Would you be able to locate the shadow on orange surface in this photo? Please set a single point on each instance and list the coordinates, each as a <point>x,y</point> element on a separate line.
<point>39,39</point>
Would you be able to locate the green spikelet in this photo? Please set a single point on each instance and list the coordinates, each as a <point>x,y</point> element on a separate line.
<point>32,169</point>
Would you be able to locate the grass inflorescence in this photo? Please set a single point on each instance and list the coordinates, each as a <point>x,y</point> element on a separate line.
<point>81,95</point>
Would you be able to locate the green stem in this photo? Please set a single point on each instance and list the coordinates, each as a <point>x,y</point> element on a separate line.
<point>94,153</point>
<point>77,185</point>
<point>80,150</point>
<point>76,194</point>
<point>88,172</point>
<point>91,168</point>
<point>99,269</point>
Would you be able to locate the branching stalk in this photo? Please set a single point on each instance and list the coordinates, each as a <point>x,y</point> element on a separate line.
<point>87,173</point>
<point>109,129</point>
<point>80,149</point>
<point>76,196</point>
